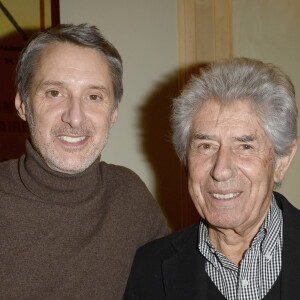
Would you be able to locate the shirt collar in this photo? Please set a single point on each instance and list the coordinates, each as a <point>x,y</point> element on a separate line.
<point>267,237</point>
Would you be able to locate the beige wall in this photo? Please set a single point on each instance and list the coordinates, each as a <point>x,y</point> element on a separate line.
<point>145,33</point>
<point>269,30</point>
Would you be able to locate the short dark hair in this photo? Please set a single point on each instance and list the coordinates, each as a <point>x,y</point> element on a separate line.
<point>81,35</point>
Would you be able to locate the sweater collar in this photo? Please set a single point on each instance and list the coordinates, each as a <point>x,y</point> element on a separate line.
<point>53,186</point>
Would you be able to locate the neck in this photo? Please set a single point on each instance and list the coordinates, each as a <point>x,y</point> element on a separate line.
<point>56,187</point>
<point>233,243</point>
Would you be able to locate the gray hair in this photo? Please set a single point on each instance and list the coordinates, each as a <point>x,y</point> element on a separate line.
<point>81,35</point>
<point>265,86</point>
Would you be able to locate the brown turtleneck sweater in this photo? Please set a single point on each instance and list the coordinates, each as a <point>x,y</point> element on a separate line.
<point>71,236</point>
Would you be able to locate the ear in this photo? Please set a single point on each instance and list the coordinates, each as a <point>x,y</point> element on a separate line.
<point>20,106</point>
<point>115,115</point>
<point>283,163</point>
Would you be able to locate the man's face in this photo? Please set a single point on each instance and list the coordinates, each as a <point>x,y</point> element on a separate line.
<point>231,165</point>
<point>70,109</point>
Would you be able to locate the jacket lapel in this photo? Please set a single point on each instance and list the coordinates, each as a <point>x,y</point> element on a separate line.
<point>290,281</point>
<point>184,273</point>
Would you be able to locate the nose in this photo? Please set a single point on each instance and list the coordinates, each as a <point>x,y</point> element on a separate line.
<point>224,167</point>
<point>73,113</point>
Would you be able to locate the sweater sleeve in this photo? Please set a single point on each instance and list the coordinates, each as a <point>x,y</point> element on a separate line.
<point>137,210</point>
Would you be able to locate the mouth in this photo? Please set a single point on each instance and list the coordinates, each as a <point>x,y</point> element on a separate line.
<point>72,139</point>
<point>225,196</point>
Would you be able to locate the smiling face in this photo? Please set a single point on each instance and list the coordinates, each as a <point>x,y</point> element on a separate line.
<point>231,165</point>
<point>70,110</point>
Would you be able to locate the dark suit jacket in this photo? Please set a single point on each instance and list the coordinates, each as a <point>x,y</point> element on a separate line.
<point>172,267</point>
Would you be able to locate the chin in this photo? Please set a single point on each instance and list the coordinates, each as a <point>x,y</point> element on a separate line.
<point>224,221</point>
<point>72,167</point>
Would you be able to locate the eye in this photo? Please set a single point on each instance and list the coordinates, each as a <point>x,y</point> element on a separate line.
<point>94,97</point>
<point>53,93</point>
<point>246,147</point>
<point>206,148</point>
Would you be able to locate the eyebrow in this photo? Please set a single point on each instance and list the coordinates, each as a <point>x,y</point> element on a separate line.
<point>246,138</point>
<point>202,136</point>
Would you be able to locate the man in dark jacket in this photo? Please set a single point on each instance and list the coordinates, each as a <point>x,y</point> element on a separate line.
<point>235,130</point>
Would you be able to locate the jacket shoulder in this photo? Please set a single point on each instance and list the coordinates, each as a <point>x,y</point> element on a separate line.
<point>146,277</point>
<point>287,208</point>
<point>164,247</point>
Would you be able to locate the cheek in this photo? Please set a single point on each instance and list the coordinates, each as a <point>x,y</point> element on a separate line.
<point>101,124</point>
<point>257,166</point>
<point>98,117</point>
<point>198,175</point>
<point>46,123</point>
<point>200,164</point>
<point>195,194</point>
<point>259,174</point>
<point>47,115</point>
<point>196,172</point>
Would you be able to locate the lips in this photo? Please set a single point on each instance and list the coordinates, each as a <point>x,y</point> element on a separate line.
<point>225,196</point>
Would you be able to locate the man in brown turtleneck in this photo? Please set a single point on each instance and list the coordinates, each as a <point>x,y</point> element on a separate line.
<point>70,224</point>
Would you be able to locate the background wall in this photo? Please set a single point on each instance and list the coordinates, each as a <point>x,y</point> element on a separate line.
<point>145,33</point>
<point>269,30</point>
<point>18,21</point>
